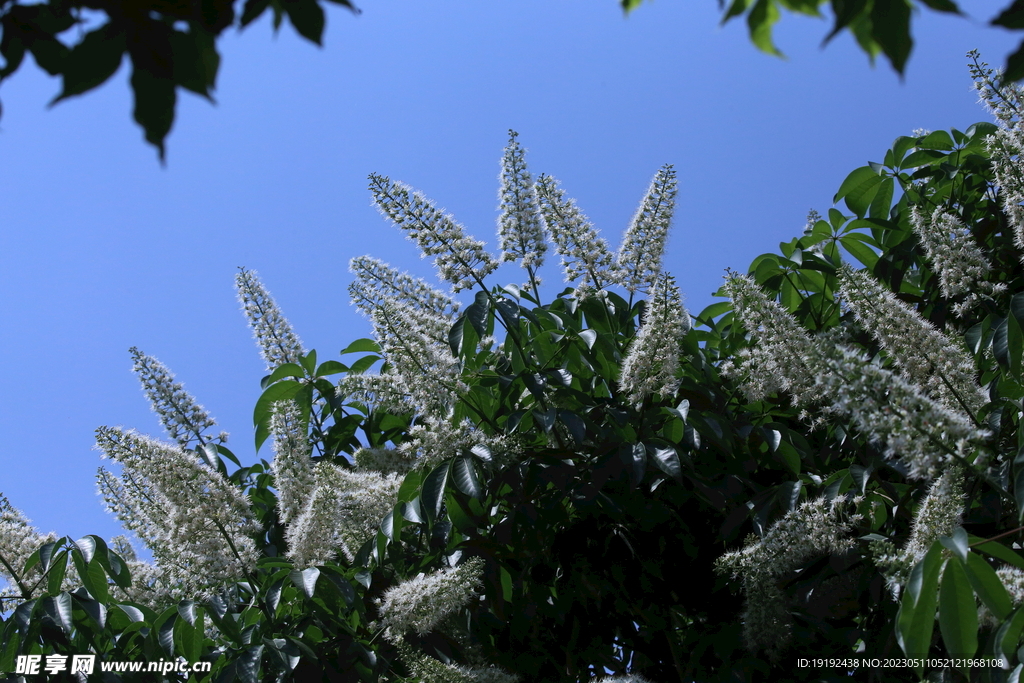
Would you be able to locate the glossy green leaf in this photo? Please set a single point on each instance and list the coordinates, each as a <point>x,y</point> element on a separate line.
<point>305,580</point>
<point>432,493</point>
<point>916,617</point>
<point>464,474</point>
<point>958,614</point>
<point>987,586</point>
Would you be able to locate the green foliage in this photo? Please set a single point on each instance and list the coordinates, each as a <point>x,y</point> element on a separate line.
<point>171,45</point>
<point>878,26</point>
<point>600,521</point>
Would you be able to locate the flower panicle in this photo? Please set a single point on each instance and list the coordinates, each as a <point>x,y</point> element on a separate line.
<point>277,342</point>
<point>292,467</point>
<point>643,246</point>
<point>652,362</point>
<point>778,361</point>
<point>197,523</point>
<point>18,541</point>
<point>343,511</point>
<point>1005,100</point>
<point>421,603</point>
<point>586,259</point>
<point>520,228</point>
<point>376,282</point>
<point>460,260</point>
<point>179,413</point>
<point>925,356</point>
<point>956,258</point>
<point>414,343</point>
<point>921,431</point>
<point>816,527</point>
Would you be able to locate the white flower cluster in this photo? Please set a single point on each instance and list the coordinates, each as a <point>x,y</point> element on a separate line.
<point>652,362</point>
<point>426,669</point>
<point>925,434</point>
<point>778,361</point>
<point>278,344</point>
<point>197,524</point>
<point>292,467</point>
<point>926,356</point>
<point>817,527</point>
<point>383,460</point>
<point>585,256</point>
<point>955,256</point>
<point>1006,102</point>
<point>376,282</point>
<point>183,418</point>
<point>18,540</point>
<point>344,510</point>
<point>149,586</point>
<point>1005,149</point>
<point>520,228</point>
<point>419,604</point>
<point>421,365</point>
<point>627,678</point>
<point>460,260</point>
<point>434,439</point>
<point>938,514</point>
<point>639,258</point>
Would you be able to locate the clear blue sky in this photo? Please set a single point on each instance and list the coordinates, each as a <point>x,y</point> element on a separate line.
<point>101,248</point>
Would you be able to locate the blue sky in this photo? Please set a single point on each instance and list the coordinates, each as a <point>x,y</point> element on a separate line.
<point>102,249</point>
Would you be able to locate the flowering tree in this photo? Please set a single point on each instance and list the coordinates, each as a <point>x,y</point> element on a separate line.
<point>832,454</point>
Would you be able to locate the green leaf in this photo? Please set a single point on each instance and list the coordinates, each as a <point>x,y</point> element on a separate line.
<point>363,364</point>
<point>1012,16</point>
<point>916,617</point>
<point>307,17</point>
<point>456,335</point>
<point>958,614</point>
<point>589,337</point>
<point>922,157</point>
<point>286,370</point>
<point>92,61</point>
<point>760,20</point>
<point>1000,348</point>
<point>247,666</point>
<point>331,367</point>
<point>859,198</point>
<point>361,346</point>
<point>879,207</point>
<point>855,179</point>
<point>639,463</point>
<point>465,477</point>
<point>95,609</point>
<point>987,585</point>
<point>1008,635</point>
<point>854,243</point>
<point>252,10</point>
<point>281,391</point>
<point>890,23</point>
<point>152,83</point>
<point>195,60</point>
<point>957,542</point>
<point>165,632</point>
<point>432,493</point>
<point>1015,334</point>
<point>666,460</point>
<point>305,580</point>
<point>476,313</point>
<point>998,551</point>
<point>939,139</point>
